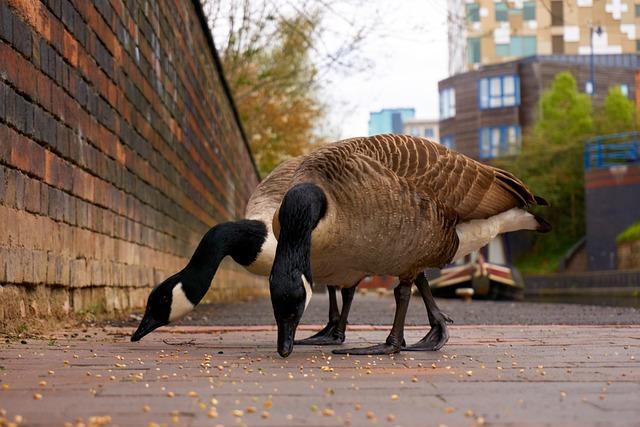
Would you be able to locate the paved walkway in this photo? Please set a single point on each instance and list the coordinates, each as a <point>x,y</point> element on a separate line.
<point>372,309</point>
<point>493,375</point>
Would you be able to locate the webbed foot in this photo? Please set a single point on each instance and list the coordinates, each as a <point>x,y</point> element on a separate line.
<point>373,350</point>
<point>435,339</point>
<point>329,335</point>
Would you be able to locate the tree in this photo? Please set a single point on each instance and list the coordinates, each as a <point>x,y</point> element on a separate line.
<point>618,113</point>
<point>274,57</point>
<point>551,164</point>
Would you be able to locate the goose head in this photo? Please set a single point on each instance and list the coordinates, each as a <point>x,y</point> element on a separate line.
<point>167,302</point>
<point>179,294</point>
<point>290,282</point>
<point>290,296</point>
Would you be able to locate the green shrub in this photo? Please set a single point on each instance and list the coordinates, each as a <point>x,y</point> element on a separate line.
<point>631,234</point>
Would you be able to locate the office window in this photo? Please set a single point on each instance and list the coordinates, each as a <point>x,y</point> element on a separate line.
<point>523,45</point>
<point>499,91</point>
<point>473,50</point>
<point>473,12</point>
<point>529,11</point>
<point>428,133</point>
<point>447,103</point>
<point>637,9</point>
<point>557,44</point>
<point>448,141</point>
<point>499,141</point>
<point>502,11</point>
<point>503,50</point>
<point>588,87</point>
<point>624,89</point>
<point>557,13</point>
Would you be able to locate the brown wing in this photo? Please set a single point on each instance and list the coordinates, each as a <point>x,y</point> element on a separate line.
<point>469,188</point>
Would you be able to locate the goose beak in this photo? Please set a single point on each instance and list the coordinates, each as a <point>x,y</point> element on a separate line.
<point>286,333</point>
<point>148,324</point>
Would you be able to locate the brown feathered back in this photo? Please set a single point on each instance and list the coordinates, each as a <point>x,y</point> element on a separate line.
<point>471,189</point>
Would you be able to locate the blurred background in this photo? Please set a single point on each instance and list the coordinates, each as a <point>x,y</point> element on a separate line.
<point>128,128</point>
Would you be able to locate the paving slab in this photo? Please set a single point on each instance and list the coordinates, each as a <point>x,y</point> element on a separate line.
<point>208,376</point>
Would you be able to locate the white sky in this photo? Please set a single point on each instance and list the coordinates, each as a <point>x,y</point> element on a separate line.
<point>406,66</point>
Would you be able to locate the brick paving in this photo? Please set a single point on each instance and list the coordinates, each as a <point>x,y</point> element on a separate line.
<point>193,376</point>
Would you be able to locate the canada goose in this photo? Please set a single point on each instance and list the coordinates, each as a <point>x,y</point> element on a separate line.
<point>251,243</point>
<point>388,204</point>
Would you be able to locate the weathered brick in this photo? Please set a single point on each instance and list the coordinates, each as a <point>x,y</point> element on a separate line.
<point>6,27</point>
<point>3,184</point>
<point>3,264</point>
<point>21,36</point>
<point>5,143</point>
<point>32,195</point>
<point>26,261</point>
<point>10,188</point>
<point>3,100</point>
<point>44,199</point>
<point>14,268</point>
<point>20,190</point>
<point>39,266</point>
<point>69,209</point>
<point>10,105</point>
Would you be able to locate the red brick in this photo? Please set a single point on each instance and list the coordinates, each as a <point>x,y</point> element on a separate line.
<point>32,196</point>
<point>70,45</point>
<point>20,153</point>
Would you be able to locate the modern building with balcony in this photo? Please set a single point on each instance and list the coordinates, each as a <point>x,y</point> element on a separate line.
<point>484,112</point>
<point>484,32</point>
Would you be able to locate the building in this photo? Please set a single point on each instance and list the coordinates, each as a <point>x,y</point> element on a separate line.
<point>484,112</point>
<point>389,120</point>
<point>483,32</point>
<point>427,128</point>
<point>112,162</point>
<point>612,194</point>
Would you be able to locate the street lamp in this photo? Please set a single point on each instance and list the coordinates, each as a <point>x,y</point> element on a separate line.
<point>598,30</point>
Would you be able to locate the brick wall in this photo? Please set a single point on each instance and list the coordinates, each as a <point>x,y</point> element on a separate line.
<point>629,255</point>
<point>119,148</point>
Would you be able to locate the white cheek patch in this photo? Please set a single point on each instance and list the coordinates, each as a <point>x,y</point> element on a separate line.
<point>307,290</point>
<point>180,304</point>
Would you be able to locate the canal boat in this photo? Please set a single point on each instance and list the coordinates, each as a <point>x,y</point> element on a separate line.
<point>486,280</point>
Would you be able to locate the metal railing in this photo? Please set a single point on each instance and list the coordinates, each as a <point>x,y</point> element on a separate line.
<point>611,150</point>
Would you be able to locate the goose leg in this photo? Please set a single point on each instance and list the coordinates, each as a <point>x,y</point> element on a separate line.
<point>438,335</point>
<point>395,340</point>
<point>326,335</point>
